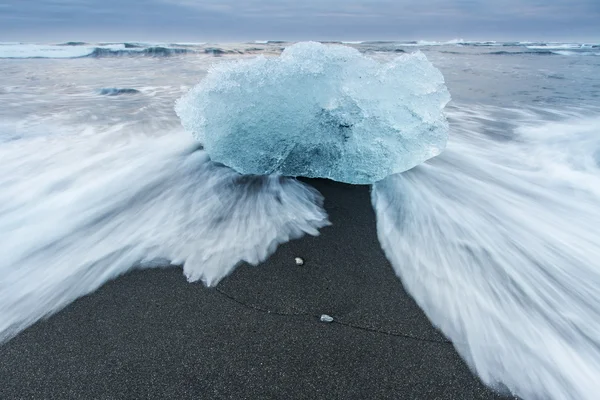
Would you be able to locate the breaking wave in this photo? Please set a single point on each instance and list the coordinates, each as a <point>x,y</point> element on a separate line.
<point>535,52</point>
<point>132,51</point>
<point>82,50</point>
<point>81,213</point>
<point>497,239</point>
<point>543,52</point>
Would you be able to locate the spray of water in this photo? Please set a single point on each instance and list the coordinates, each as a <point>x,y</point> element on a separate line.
<point>498,240</point>
<point>78,211</point>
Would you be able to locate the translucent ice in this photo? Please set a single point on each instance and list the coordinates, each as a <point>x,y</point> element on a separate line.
<point>320,111</point>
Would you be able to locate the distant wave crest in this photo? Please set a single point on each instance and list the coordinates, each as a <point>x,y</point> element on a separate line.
<point>149,51</point>
<point>134,49</point>
<point>83,50</point>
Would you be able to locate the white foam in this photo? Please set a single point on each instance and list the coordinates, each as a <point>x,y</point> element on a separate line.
<point>575,53</point>
<point>50,51</point>
<point>499,243</point>
<point>78,211</point>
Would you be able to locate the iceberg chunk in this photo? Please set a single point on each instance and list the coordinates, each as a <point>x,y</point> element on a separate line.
<point>320,110</point>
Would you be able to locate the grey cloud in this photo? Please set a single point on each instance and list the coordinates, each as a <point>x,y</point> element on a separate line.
<point>202,20</point>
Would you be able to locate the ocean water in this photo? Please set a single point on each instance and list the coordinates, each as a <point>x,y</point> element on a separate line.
<point>497,238</point>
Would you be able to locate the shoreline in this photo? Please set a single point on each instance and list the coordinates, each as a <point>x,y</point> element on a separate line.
<point>151,334</point>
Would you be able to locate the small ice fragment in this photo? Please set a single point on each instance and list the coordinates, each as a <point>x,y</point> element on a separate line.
<point>299,261</point>
<point>326,318</point>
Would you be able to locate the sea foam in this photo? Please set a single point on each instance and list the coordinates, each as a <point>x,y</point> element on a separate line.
<point>498,242</point>
<point>85,210</point>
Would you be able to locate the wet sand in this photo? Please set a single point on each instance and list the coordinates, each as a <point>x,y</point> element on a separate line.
<point>152,335</point>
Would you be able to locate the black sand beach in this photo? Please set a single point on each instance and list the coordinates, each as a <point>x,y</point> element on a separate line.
<point>152,335</point>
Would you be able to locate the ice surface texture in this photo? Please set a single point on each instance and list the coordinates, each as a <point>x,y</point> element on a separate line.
<point>320,111</point>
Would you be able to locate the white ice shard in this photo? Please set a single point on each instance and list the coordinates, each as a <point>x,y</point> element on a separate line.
<point>320,111</point>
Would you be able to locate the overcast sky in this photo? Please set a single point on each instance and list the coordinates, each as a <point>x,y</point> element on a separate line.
<point>239,20</point>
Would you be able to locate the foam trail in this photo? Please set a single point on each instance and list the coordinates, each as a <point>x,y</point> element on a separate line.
<point>74,215</point>
<point>499,243</point>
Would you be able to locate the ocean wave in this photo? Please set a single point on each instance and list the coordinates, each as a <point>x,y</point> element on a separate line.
<point>575,53</point>
<point>22,51</point>
<point>512,53</point>
<point>217,51</point>
<point>100,52</point>
<point>270,42</point>
<point>498,242</point>
<point>133,45</point>
<point>473,43</point>
<point>86,210</point>
<point>555,46</point>
<point>482,44</point>
<point>531,45</point>
<point>81,50</point>
<point>424,43</point>
<point>187,44</point>
<point>548,52</point>
<point>370,42</point>
<point>138,49</point>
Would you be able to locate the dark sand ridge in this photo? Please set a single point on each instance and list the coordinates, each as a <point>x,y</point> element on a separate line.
<point>151,334</point>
